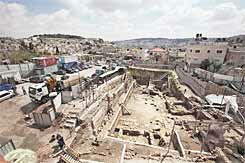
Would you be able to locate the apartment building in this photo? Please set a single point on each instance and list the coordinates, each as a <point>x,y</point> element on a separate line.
<point>235,57</point>
<point>197,52</point>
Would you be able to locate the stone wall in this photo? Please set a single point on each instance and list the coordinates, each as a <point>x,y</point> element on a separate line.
<point>196,85</point>
<point>119,112</point>
<point>157,66</point>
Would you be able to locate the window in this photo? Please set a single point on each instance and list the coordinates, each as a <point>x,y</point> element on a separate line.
<point>219,51</point>
<point>191,50</point>
<point>208,51</point>
<point>39,90</point>
<point>32,91</point>
<point>197,51</point>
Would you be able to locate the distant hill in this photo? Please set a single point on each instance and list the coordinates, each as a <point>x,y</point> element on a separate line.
<point>64,36</point>
<point>151,42</point>
<point>238,39</point>
<point>165,42</point>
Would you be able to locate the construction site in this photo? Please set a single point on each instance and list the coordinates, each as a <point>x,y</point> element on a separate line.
<point>139,115</point>
<point>147,115</point>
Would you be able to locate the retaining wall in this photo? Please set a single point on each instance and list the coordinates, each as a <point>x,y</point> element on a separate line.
<point>196,85</point>
<point>114,100</point>
<point>158,66</point>
<point>119,112</point>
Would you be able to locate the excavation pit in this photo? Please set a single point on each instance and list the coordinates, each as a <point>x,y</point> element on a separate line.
<point>150,122</point>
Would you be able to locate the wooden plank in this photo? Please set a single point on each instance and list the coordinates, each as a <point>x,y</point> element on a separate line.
<point>178,144</point>
<point>123,153</point>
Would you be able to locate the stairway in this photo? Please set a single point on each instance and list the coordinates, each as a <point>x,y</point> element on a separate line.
<point>70,156</point>
<point>71,120</point>
<point>67,158</point>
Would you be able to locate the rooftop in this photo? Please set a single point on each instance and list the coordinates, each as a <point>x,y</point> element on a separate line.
<point>157,50</point>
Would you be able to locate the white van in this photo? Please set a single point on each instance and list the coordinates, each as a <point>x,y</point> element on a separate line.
<point>4,95</point>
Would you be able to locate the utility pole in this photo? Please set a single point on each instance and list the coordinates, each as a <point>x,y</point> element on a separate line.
<point>242,83</point>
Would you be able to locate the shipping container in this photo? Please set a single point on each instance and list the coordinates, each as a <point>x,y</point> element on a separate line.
<point>45,61</point>
<point>67,59</point>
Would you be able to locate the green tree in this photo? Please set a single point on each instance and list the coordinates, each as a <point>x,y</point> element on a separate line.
<point>217,66</point>
<point>205,64</point>
<point>20,56</point>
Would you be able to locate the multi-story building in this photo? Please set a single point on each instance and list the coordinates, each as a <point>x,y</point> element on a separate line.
<point>235,57</point>
<point>199,51</point>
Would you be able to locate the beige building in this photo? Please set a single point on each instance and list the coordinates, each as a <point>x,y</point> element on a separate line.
<point>196,53</point>
<point>235,58</point>
<point>158,55</point>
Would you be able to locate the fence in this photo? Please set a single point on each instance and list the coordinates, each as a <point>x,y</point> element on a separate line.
<point>22,68</point>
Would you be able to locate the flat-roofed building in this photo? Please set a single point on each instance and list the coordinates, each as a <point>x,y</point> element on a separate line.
<point>159,55</point>
<point>213,51</point>
<point>235,58</point>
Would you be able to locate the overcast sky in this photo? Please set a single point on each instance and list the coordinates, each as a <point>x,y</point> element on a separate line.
<point>122,19</point>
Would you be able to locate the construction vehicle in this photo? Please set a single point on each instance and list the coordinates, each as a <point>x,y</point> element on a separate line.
<point>39,92</point>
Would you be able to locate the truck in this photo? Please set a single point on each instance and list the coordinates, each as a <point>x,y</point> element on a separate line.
<point>39,92</point>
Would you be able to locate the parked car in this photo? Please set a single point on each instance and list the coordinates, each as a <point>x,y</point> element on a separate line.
<point>70,71</point>
<point>97,64</point>
<point>4,95</point>
<point>94,75</point>
<point>60,72</point>
<point>85,67</point>
<point>64,77</point>
<point>75,70</point>
<point>36,79</point>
